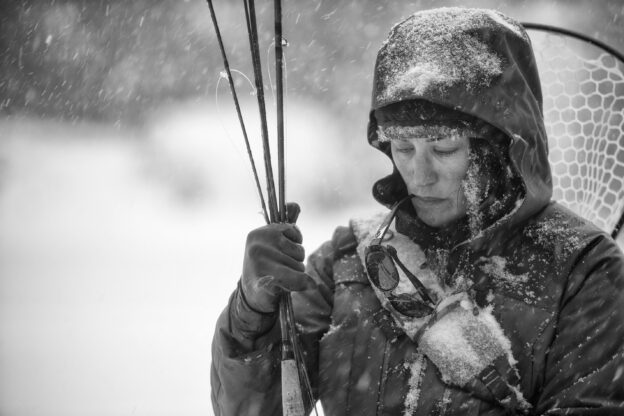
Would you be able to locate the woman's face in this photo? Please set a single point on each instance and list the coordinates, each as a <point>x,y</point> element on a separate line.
<point>433,170</point>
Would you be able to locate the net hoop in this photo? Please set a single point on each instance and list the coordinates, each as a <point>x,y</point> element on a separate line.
<point>577,35</point>
<point>587,161</point>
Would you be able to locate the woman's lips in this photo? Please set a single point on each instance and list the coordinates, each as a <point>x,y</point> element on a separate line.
<point>428,200</point>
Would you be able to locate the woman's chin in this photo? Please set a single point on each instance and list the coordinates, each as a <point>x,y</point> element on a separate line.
<point>434,223</point>
<point>436,219</point>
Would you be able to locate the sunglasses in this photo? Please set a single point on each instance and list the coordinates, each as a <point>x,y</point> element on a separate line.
<point>381,265</point>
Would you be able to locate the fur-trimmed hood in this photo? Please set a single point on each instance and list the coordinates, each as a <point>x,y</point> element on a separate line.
<point>480,63</point>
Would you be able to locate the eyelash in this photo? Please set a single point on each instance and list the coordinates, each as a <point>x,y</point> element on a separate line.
<point>445,152</point>
<point>404,150</point>
<point>436,151</point>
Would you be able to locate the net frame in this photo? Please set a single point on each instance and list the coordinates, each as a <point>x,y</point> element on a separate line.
<point>583,86</point>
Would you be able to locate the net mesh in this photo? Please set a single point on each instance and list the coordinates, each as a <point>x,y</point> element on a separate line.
<point>583,88</point>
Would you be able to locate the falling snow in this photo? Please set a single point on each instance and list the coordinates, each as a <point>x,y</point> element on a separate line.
<point>123,222</point>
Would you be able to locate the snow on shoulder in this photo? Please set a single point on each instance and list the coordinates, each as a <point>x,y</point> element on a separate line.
<point>436,49</point>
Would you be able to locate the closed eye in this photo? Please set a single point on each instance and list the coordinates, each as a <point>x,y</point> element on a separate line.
<point>404,149</point>
<point>445,152</point>
<point>402,146</point>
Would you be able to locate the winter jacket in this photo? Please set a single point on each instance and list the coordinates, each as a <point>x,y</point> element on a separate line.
<point>553,282</point>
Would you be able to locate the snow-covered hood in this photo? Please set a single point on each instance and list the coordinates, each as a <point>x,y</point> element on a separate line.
<point>479,62</point>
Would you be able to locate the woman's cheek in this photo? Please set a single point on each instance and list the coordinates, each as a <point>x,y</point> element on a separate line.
<point>454,168</point>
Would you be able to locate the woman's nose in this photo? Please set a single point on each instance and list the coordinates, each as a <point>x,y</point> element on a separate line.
<point>423,172</point>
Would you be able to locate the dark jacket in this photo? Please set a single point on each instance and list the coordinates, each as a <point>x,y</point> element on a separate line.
<point>564,317</point>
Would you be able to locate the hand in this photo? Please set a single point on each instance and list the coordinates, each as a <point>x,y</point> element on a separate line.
<point>273,264</point>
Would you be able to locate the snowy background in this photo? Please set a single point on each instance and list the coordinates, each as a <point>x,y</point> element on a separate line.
<point>125,194</point>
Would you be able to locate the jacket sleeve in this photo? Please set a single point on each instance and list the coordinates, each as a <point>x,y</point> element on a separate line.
<point>245,369</point>
<point>585,365</point>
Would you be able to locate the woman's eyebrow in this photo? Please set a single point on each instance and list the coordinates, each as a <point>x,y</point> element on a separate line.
<point>435,139</point>
<point>440,138</point>
<point>401,140</point>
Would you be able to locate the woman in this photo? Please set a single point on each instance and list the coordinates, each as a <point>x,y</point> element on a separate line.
<point>476,295</point>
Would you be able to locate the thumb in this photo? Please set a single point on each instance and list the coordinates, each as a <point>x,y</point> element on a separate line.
<point>292,212</point>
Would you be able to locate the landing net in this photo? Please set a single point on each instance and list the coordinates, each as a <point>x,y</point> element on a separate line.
<point>583,88</point>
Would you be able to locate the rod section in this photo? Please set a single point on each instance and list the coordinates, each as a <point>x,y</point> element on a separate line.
<point>279,75</point>
<point>250,14</point>
<point>238,110</point>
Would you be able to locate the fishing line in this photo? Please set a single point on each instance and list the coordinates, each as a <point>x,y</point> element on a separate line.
<point>223,75</point>
<point>268,57</point>
<point>221,115</point>
<point>285,76</point>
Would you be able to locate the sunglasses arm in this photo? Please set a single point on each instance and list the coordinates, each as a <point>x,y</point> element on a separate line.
<point>383,228</point>
<point>422,290</point>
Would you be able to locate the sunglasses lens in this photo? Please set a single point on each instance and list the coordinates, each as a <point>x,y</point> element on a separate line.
<point>382,270</point>
<point>407,305</point>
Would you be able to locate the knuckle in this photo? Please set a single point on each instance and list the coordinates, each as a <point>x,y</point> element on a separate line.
<point>282,245</point>
<point>255,250</point>
<point>254,235</point>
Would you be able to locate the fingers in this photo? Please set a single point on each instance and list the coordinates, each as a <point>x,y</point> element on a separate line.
<point>272,232</point>
<point>273,264</point>
<point>296,283</point>
<point>282,270</point>
<point>281,238</point>
<point>292,232</point>
<point>292,249</point>
<point>288,281</point>
<point>264,293</point>
<point>268,259</point>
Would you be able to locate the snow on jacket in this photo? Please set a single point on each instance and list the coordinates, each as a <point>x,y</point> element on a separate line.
<point>553,282</point>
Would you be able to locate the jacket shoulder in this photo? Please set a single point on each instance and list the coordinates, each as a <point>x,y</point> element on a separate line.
<point>566,234</point>
<point>555,213</point>
<point>344,241</point>
<point>546,256</point>
<point>335,258</point>
<point>573,251</point>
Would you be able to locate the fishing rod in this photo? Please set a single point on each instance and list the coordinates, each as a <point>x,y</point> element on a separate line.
<point>293,365</point>
<point>279,76</point>
<point>252,30</point>
<point>238,110</point>
<point>292,401</point>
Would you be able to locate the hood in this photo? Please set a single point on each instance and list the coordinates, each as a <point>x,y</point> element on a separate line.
<point>480,63</point>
